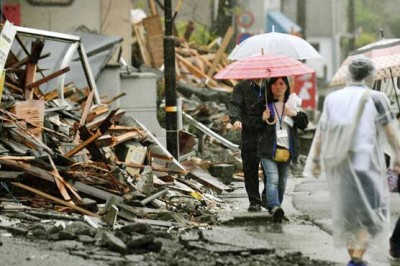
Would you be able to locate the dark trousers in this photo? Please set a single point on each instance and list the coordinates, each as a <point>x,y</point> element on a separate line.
<point>251,163</point>
<point>395,239</point>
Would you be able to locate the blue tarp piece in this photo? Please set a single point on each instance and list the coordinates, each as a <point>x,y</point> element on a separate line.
<point>281,23</point>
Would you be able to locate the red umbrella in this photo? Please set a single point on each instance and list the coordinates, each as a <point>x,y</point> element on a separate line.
<point>264,66</point>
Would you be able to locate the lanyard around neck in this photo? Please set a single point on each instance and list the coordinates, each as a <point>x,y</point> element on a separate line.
<point>280,118</point>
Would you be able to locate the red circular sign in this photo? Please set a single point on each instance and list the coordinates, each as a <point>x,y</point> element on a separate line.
<point>246,19</point>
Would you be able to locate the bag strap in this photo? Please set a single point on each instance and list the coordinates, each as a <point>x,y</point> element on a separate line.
<point>361,105</point>
<point>363,101</point>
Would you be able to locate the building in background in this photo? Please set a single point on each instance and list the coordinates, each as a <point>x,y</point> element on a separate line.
<point>107,17</point>
<point>323,29</point>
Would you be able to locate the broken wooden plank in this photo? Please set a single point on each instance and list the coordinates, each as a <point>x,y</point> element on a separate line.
<point>57,200</point>
<point>204,178</point>
<point>221,50</point>
<point>47,78</point>
<point>155,39</point>
<point>85,143</point>
<point>125,137</point>
<point>17,158</point>
<point>13,87</point>
<point>153,8</point>
<point>31,66</point>
<point>97,122</point>
<point>31,111</point>
<point>45,175</point>
<point>113,99</point>
<point>89,139</point>
<point>60,182</point>
<point>85,112</point>
<point>140,36</point>
<point>196,71</point>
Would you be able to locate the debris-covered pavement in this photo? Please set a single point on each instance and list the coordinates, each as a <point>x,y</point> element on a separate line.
<point>138,243</point>
<point>87,183</point>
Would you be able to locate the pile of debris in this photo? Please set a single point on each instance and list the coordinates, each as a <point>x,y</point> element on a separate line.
<point>195,64</point>
<point>72,154</point>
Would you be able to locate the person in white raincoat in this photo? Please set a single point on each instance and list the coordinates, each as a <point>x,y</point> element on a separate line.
<point>356,128</point>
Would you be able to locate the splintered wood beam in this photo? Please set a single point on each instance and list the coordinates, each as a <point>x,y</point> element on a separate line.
<point>57,200</point>
<point>13,87</point>
<point>124,137</point>
<point>31,66</point>
<point>45,175</point>
<point>30,76</point>
<point>62,184</point>
<point>85,112</point>
<point>97,122</point>
<point>54,94</point>
<point>47,78</point>
<point>204,178</point>
<point>227,38</point>
<point>153,8</point>
<point>196,71</point>
<point>83,145</point>
<point>139,33</point>
<point>99,110</point>
<point>124,128</point>
<point>18,158</point>
<point>104,141</point>
<point>114,98</point>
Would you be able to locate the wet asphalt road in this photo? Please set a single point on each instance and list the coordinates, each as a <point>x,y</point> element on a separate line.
<point>307,233</point>
<point>306,204</point>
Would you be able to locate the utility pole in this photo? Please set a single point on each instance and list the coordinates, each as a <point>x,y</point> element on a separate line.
<point>301,16</point>
<point>170,82</point>
<point>351,28</point>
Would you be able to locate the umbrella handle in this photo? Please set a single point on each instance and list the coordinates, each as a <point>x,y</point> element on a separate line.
<point>271,123</point>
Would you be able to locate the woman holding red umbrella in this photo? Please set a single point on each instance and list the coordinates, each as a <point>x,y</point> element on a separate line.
<point>278,144</point>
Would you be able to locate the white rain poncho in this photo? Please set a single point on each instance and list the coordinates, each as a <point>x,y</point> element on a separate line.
<point>357,177</point>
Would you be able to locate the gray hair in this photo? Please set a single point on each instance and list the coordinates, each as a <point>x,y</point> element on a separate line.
<point>360,68</point>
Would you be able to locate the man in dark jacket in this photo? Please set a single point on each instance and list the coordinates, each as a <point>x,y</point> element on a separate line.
<point>246,95</point>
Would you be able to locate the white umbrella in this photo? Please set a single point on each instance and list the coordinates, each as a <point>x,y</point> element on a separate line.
<point>274,43</point>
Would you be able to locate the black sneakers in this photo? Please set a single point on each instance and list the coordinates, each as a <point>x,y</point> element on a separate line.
<point>277,214</point>
<point>254,208</point>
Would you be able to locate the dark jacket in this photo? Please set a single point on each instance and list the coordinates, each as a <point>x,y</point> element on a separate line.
<point>267,139</point>
<point>244,106</point>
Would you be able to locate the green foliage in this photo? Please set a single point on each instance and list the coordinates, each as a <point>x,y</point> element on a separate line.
<point>364,39</point>
<point>140,4</point>
<point>394,26</point>
<point>200,35</point>
<point>370,17</point>
<point>367,19</point>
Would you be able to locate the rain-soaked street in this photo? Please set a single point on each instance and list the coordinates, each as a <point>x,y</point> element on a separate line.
<point>242,238</point>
